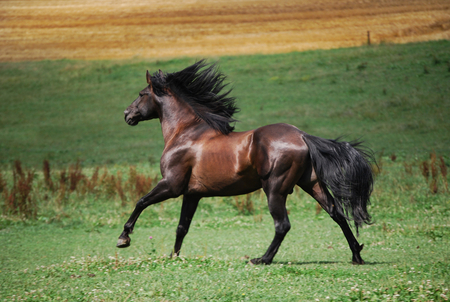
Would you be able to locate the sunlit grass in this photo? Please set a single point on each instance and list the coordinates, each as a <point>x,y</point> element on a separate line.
<point>70,253</point>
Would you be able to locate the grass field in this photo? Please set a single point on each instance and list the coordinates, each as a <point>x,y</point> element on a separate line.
<point>60,245</point>
<point>394,96</point>
<point>68,252</point>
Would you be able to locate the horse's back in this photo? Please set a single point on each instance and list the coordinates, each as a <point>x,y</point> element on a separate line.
<point>280,133</point>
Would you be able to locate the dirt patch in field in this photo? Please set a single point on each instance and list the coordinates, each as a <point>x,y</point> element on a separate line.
<point>86,29</point>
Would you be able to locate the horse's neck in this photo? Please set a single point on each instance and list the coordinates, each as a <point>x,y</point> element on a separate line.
<point>176,117</point>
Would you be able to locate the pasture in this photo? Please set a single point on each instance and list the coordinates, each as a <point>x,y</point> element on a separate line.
<point>394,96</point>
<point>59,241</point>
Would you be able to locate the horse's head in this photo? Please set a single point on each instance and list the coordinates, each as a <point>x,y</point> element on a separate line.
<point>145,107</point>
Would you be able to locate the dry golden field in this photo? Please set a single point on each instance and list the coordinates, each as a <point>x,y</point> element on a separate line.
<point>104,29</point>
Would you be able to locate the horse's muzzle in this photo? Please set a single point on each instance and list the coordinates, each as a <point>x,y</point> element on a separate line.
<point>131,118</point>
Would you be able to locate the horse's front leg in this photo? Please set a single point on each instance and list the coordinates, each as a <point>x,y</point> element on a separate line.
<point>162,191</point>
<point>188,208</point>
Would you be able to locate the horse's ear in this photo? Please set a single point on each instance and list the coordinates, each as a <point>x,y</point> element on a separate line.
<point>161,74</point>
<point>149,78</point>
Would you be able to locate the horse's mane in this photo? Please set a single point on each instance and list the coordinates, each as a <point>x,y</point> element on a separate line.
<point>201,85</point>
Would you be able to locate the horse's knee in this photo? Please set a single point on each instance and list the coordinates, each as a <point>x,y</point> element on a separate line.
<point>140,205</point>
<point>282,228</point>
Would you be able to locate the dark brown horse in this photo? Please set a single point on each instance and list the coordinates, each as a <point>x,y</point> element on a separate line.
<point>203,157</point>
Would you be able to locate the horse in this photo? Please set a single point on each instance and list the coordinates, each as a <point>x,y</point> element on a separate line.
<point>203,157</point>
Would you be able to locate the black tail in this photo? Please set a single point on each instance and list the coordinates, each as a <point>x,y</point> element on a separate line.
<point>345,170</point>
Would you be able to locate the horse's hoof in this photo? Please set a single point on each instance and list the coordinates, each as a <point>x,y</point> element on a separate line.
<point>174,255</point>
<point>358,262</point>
<point>121,243</point>
<point>257,261</point>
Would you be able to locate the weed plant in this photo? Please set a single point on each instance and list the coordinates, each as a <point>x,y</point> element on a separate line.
<point>49,195</point>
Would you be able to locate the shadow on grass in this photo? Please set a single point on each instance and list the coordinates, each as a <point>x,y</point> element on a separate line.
<point>327,262</point>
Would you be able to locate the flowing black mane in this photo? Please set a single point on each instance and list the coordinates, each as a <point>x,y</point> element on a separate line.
<point>201,85</point>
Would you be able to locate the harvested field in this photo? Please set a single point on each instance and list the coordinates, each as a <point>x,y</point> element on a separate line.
<point>84,29</point>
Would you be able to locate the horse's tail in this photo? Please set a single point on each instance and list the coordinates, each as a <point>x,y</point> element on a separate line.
<point>344,168</point>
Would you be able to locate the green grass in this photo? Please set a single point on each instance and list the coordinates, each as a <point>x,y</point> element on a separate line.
<point>395,96</point>
<point>69,251</point>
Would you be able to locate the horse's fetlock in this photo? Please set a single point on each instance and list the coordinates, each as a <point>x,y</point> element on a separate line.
<point>128,227</point>
<point>181,231</point>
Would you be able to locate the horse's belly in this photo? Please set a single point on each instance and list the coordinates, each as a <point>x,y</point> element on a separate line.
<point>223,166</point>
<point>223,182</point>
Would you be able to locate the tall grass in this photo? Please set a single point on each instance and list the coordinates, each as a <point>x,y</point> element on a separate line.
<point>18,200</point>
<point>438,179</point>
<point>28,190</point>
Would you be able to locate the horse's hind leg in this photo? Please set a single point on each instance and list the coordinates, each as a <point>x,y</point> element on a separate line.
<point>188,209</point>
<point>277,207</point>
<point>327,202</point>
